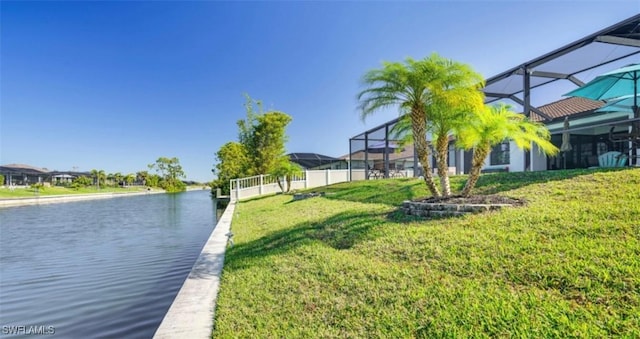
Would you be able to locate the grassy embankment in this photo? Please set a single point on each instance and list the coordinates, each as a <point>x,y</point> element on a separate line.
<point>350,265</point>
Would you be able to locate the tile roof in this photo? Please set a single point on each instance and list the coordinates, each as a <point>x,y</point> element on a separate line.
<point>567,107</point>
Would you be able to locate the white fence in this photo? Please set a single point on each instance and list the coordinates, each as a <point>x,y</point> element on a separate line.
<point>268,184</point>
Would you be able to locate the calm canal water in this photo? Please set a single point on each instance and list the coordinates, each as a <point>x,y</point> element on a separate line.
<point>99,268</point>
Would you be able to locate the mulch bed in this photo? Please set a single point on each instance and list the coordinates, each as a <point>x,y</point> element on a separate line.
<point>474,199</point>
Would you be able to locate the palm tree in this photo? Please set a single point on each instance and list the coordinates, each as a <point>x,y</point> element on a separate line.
<point>99,177</point>
<point>287,170</point>
<point>429,92</point>
<point>445,119</point>
<point>130,178</point>
<point>110,179</point>
<point>142,176</point>
<point>293,170</point>
<point>118,178</point>
<point>493,125</point>
<point>94,175</point>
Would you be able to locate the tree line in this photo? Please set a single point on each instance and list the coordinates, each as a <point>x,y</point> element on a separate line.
<point>260,149</point>
<point>168,174</point>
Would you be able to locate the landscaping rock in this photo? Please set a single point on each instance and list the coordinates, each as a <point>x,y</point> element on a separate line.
<point>457,206</point>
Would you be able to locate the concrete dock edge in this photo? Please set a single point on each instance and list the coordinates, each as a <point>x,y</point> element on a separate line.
<point>191,313</point>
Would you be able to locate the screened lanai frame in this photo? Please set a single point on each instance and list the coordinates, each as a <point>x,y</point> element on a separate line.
<point>576,63</point>
<point>609,48</point>
<point>379,153</point>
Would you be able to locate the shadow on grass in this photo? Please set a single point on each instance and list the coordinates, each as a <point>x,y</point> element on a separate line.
<point>261,197</point>
<point>394,191</point>
<point>340,231</point>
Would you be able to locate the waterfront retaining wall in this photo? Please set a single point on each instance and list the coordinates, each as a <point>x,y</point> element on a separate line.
<point>191,313</point>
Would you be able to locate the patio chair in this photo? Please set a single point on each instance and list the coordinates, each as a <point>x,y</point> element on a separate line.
<point>612,159</point>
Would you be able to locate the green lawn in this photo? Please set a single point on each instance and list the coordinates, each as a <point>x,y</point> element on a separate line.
<point>28,192</point>
<point>350,265</point>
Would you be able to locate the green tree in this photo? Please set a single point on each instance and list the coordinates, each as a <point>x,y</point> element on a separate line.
<point>261,144</point>
<point>110,179</point>
<point>81,181</point>
<point>286,170</point>
<point>130,179</point>
<point>268,141</point>
<point>253,109</point>
<point>263,136</point>
<point>170,172</point>
<point>455,93</point>
<point>422,90</point>
<point>37,187</point>
<point>491,126</point>
<point>153,180</point>
<point>99,177</point>
<point>142,176</point>
<point>232,163</point>
<point>118,178</point>
<point>444,123</point>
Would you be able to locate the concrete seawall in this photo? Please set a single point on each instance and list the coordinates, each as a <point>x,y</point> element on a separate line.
<point>191,313</point>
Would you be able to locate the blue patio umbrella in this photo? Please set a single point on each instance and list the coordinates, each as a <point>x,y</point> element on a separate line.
<point>623,104</point>
<point>618,83</point>
<point>615,84</point>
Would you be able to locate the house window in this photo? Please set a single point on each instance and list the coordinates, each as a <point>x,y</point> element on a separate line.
<point>500,154</point>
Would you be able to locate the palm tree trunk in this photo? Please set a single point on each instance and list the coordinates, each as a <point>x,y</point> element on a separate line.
<point>279,180</point>
<point>479,155</point>
<point>419,128</point>
<point>442,147</point>
<point>288,180</point>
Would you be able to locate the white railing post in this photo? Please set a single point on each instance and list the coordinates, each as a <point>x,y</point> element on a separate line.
<point>306,179</point>
<point>261,188</point>
<point>328,177</point>
<point>237,189</point>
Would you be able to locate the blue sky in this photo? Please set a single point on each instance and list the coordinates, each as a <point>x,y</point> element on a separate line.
<point>115,85</point>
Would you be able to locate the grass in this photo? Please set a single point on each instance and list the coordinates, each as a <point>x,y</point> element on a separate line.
<point>28,192</point>
<point>350,265</point>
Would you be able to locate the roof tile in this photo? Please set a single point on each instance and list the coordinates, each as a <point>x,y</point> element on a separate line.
<point>567,107</point>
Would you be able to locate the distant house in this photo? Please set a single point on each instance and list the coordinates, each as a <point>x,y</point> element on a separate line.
<point>20,174</point>
<point>24,175</point>
<point>65,177</point>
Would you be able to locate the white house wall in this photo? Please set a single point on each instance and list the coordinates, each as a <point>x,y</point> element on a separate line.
<point>516,160</point>
<point>538,159</point>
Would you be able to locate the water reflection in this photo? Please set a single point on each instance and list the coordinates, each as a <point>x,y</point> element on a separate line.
<point>100,268</point>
